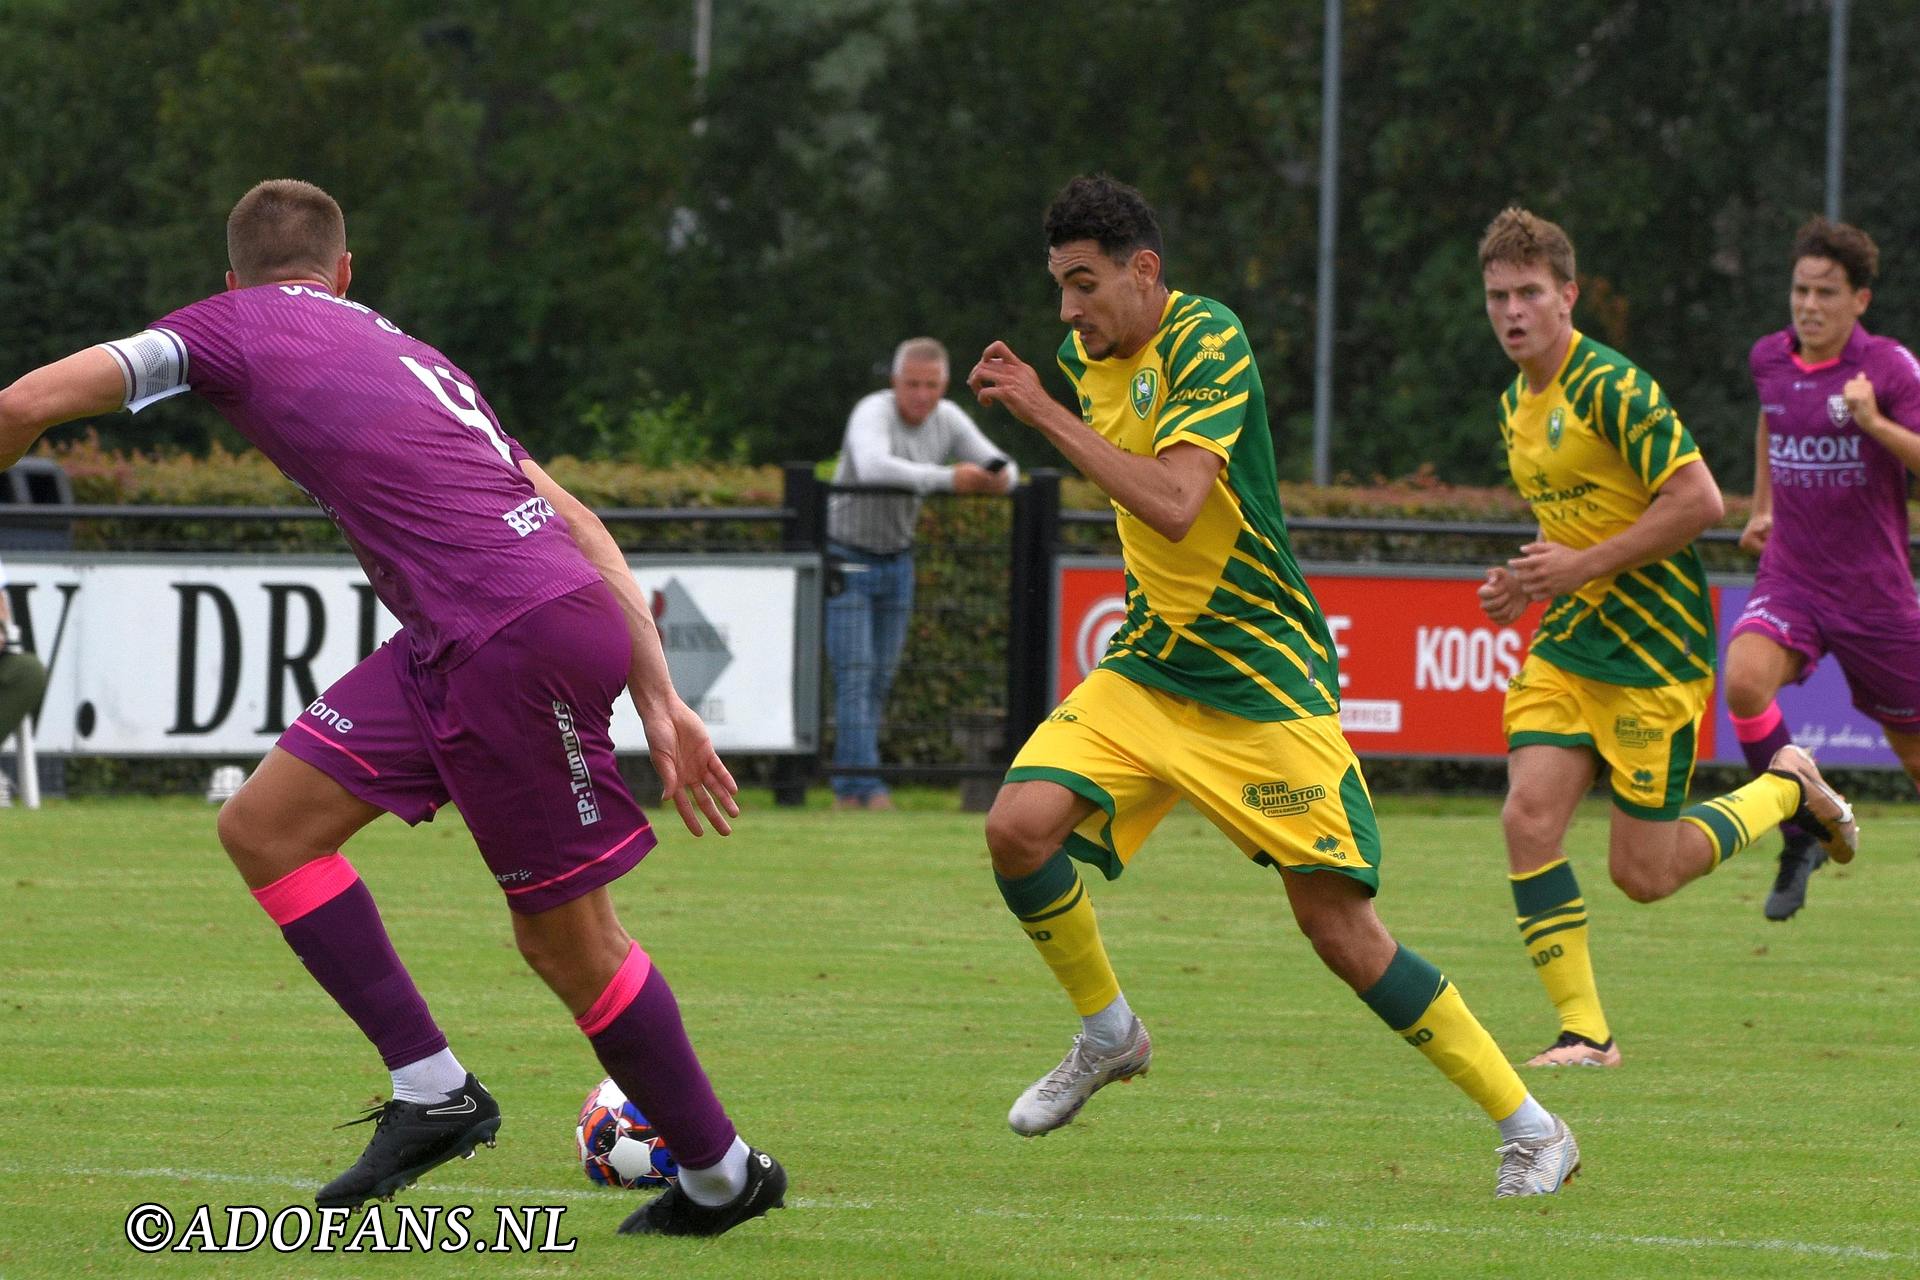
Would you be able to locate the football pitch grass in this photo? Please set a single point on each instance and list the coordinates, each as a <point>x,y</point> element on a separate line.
<point>868,1010</point>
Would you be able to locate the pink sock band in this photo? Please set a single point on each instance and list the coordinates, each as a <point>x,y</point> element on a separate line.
<point>314,885</point>
<point>620,992</point>
<point>1759,726</point>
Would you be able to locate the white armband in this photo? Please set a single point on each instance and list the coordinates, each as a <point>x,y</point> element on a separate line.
<point>153,363</point>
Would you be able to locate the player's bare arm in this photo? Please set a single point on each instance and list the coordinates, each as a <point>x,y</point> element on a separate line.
<point>83,385</point>
<point>1166,491</point>
<point>1899,439</point>
<point>691,772</point>
<point>1753,538</point>
<point>1686,506</point>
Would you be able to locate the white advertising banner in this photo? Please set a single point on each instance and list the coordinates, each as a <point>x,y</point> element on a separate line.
<point>152,655</point>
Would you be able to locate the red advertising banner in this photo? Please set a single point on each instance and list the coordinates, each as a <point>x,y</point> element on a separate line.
<point>1422,670</point>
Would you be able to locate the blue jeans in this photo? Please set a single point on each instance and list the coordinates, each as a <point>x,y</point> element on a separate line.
<point>866,630</point>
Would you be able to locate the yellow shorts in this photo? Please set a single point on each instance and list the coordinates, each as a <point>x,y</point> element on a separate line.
<point>1649,738</point>
<point>1289,793</point>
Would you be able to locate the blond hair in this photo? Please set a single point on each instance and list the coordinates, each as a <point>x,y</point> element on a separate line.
<point>1523,239</point>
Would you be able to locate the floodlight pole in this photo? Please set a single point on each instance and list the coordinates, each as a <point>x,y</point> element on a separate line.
<point>1836,105</point>
<point>702,60</point>
<point>1323,310</point>
<point>702,40</point>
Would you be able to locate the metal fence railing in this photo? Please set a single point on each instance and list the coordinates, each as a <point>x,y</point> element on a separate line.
<point>971,679</point>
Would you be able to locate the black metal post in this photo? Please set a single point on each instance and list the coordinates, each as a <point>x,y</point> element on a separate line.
<point>1035,536</point>
<point>804,528</point>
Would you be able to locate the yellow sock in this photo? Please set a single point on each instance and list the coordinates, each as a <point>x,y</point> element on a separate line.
<point>1733,820</point>
<point>1424,1008</point>
<point>1053,907</point>
<point>1553,924</point>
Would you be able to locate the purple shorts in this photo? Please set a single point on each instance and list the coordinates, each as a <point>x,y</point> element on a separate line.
<point>516,735</point>
<point>1879,653</point>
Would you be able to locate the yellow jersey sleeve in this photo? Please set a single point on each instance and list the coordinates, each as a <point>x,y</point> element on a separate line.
<point>1633,415</point>
<point>1210,379</point>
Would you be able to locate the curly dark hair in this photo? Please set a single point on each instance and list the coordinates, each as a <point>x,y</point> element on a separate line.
<point>1109,212</point>
<point>1849,246</point>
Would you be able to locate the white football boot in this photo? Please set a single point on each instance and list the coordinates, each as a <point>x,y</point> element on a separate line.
<point>1537,1166</point>
<point>1058,1096</point>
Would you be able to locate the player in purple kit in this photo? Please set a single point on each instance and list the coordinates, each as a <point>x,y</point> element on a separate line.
<point>521,625</point>
<point>1839,410</point>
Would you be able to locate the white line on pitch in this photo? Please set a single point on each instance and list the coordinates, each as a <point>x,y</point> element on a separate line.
<point>526,1195</point>
<point>533,1195</point>
<point>1438,1229</point>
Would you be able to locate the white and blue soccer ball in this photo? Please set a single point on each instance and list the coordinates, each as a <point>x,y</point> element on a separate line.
<point>616,1144</point>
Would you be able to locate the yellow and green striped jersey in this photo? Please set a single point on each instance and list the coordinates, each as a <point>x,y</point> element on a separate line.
<point>1222,616</point>
<point>1588,453</point>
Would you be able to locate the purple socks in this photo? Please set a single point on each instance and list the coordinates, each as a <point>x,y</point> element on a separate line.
<point>1760,737</point>
<point>635,1029</point>
<point>328,918</point>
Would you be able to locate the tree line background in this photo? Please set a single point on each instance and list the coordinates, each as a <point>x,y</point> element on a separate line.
<point>638,266</point>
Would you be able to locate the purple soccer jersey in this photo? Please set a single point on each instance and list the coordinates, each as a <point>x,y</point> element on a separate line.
<point>1839,496</point>
<point>391,439</point>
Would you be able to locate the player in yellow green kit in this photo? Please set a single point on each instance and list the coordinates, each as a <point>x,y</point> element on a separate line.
<point>1621,667</point>
<point>1220,688</point>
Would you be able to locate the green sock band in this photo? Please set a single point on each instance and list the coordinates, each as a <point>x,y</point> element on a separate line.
<point>1544,889</point>
<point>1404,991</point>
<point>1035,893</point>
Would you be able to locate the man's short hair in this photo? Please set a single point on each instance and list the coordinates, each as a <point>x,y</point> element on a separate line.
<point>283,228</point>
<point>1108,212</point>
<point>1522,239</point>
<point>919,349</point>
<point>1845,244</point>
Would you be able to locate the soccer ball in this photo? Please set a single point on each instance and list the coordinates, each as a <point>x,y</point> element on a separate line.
<point>617,1145</point>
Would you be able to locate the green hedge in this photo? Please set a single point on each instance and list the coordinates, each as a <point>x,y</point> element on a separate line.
<point>956,655</point>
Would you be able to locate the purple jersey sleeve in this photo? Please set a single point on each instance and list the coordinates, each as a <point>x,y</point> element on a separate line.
<point>1897,386</point>
<point>216,367</point>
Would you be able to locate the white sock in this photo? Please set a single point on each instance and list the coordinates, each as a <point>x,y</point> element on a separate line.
<point>719,1183</point>
<point>1107,1029</point>
<point>433,1079</point>
<point>1531,1122</point>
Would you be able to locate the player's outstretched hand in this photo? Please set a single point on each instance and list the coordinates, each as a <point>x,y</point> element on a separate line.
<point>1003,378</point>
<point>1753,538</point>
<point>691,772</point>
<point>1501,598</point>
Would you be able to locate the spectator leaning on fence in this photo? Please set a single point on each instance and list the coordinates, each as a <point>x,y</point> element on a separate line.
<point>22,678</point>
<point>909,438</point>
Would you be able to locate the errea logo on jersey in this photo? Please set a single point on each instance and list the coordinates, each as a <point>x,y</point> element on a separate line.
<point>1211,346</point>
<point>1146,389</point>
<point>1278,800</point>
